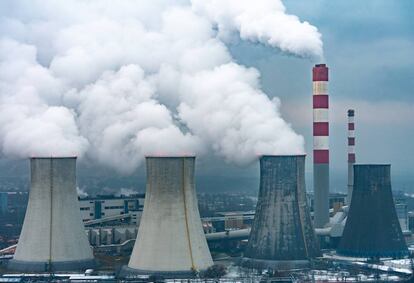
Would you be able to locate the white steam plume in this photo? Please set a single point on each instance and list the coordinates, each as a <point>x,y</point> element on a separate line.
<point>263,21</point>
<point>117,80</point>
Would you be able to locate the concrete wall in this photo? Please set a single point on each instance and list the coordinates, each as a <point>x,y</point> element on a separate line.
<point>53,236</point>
<point>282,228</point>
<point>170,237</point>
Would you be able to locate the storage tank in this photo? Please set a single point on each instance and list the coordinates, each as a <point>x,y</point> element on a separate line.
<point>170,240</point>
<point>282,235</point>
<point>372,229</point>
<point>53,237</point>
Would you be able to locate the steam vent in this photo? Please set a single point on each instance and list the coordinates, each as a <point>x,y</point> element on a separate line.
<point>53,237</point>
<point>372,228</point>
<point>170,240</point>
<point>282,235</point>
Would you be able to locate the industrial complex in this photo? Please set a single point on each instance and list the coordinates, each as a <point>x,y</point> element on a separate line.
<point>287,237</point>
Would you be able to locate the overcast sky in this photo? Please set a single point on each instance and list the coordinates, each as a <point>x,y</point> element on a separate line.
<point>369,48</point>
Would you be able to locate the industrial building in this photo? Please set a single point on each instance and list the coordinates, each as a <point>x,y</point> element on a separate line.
<point>53,237</point>
<point>170,239</point>
<point>282,234</point>
<point>233,220</point>
<point>372,229</point>
<point>335,201</point>
<point>104,206</point>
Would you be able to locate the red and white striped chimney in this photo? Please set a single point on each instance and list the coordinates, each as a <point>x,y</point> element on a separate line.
<point>351,153</point>
<point>320,145</point>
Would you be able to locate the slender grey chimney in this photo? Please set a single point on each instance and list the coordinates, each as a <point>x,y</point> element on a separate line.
<point>351,153</point>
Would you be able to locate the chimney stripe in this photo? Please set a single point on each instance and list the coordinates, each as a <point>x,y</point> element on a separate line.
<point>321,101</point>
<point>320,88</point>
<point>321,156</point>
<point>320,73</point>
<point>320,129</point>
<point>321,142</point>
<point>320,115</point>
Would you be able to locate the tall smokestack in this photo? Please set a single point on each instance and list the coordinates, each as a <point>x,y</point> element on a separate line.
<point>320,145</point>
<point>170,240</point>
<point>351,153</point>
<point>282,235</point>
<point>372,228</point>
<point>53,237</point>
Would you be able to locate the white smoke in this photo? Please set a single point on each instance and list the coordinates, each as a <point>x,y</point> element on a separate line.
<point>226,108</point>
<point>126,192</point>
<point>263,21</point>
<point>81,192</point>
<point>117,80</point>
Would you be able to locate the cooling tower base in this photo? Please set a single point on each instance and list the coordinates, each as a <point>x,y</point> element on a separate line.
<point>274,264</point>
<point>30,266</point>
<point>126,272</point>
<point>370,254</point>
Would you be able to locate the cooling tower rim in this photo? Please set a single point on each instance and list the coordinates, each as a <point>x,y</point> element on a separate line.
<point>170,156</point>
<point>53,157</point>
<point>127,272</point>
<point>59,266</point>
<point>276,264</point>
<point>371,165</point>
<point>283,155</point>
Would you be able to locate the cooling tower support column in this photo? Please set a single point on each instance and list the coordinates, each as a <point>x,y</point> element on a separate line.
<point>282,235</point>
<point>53,237</point>
<point>351,153</point>
<point>170,240</point>
<point>372,229</point>
<point>320,145</point>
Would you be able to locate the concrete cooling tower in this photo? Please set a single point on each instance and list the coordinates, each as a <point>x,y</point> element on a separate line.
<point>53,237</point>
<point>170,240</point>
<point>372,228</point>
<point>282,235</point>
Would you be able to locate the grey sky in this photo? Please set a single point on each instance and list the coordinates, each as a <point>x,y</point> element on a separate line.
<point>369,47</point>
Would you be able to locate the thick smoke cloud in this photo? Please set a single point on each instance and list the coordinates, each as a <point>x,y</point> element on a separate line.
<point>264,21</point>
<point>113,81</point>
